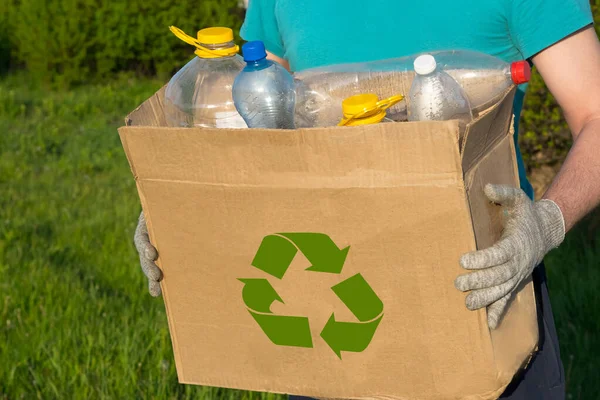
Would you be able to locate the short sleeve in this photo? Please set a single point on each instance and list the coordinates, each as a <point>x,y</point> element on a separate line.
<point>261,24</point>
<point>537,24</point>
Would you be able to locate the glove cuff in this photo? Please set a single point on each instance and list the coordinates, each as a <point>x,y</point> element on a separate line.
<point>553,221</point>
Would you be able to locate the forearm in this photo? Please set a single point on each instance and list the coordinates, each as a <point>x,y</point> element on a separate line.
<point>576,188</point>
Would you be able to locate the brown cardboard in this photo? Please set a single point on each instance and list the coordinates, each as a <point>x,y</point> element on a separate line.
<point>408,200</point>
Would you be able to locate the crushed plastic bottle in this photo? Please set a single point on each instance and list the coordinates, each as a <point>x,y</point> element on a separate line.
<point>435,95</point>
<point>366,109</point>
<point>484,78</point>
<point>199,94</point>
<point>320,93</point>
<point>264,92</point>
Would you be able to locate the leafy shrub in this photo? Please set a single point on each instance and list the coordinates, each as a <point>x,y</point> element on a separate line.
<point>544,136</point>
<point>75,41</point>
<point>54,38</point>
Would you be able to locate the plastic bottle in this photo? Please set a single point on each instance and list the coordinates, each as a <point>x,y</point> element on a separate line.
<point>199,94</point>
<point>484,79</point>
<point>436,96</point>
<point>366,109</point>
<point>264,92</point>
<point>320,93</point>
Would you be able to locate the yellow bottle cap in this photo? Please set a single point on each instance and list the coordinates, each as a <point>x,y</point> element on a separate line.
<point>209,36</point>
<point>215,35</point>
<point>365,109</point>
<point>359,103</point>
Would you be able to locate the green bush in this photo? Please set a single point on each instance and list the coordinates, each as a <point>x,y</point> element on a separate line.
<point>545,137</point>
<point>75,41</point>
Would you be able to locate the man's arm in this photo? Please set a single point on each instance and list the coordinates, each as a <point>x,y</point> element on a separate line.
<point>273,57</point>
<point>571,70</point>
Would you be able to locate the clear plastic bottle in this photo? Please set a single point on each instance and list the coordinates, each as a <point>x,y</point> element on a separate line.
<point>199,94</point>
<point>484,79</point>
<point>264,92</point>
<point>319,94</point>
<point>366,109</point>
<point>435,95</point>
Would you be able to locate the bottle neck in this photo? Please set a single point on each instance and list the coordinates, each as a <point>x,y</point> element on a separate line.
<point>369,119</point>
<point>429,74</point>
<point>258,64</point>
<point>217,46</point>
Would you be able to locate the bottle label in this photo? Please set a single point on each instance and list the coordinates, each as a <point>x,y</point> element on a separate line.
<point>230,120</point>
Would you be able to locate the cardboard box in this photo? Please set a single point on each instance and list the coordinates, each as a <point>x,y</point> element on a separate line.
<point>382,213</point>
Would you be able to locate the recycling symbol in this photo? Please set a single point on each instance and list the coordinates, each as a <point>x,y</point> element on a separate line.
<point>274,256</point>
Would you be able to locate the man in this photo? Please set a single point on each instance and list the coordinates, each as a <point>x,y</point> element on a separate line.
<point>556,35</point>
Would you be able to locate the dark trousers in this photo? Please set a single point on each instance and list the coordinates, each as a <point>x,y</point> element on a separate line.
<point>544,378</point>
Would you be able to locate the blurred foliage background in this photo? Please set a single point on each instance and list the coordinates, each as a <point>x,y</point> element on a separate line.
<point>67,42</point>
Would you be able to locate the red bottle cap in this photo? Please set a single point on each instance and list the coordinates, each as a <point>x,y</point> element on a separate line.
<point>520,72</point>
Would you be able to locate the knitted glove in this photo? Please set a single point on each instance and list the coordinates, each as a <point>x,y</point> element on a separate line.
<point>148,255</point>
<point>531,229</point>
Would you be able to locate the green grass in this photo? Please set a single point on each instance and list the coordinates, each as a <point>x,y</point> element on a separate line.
<point>75,319</point>
<point>574,285</point>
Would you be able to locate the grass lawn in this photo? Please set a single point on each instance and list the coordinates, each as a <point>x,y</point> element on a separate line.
<point>76,321</point>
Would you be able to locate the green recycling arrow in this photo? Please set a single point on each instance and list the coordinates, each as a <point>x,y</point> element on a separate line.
<point>320,250</point>
<point>358,296</point>
<point>276,253</point>
<point>348,336</point>
<point>274,256</point>
<point>361,300</point>
<point>258,294</point>
<point>284,330</point>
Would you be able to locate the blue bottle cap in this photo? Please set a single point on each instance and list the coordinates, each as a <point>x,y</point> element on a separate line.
<point>254,51</point>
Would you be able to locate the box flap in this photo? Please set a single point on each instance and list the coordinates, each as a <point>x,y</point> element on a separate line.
<point>401,154</point>
<point>517,336</point>
<point>489,128</point>
<point>150,112</point>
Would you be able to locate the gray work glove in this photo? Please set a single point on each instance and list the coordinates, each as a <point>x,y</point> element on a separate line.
<point>148,255</point>
<point>531,229</point>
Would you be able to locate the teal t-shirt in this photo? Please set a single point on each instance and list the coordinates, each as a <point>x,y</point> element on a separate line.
<point>313,33</point>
